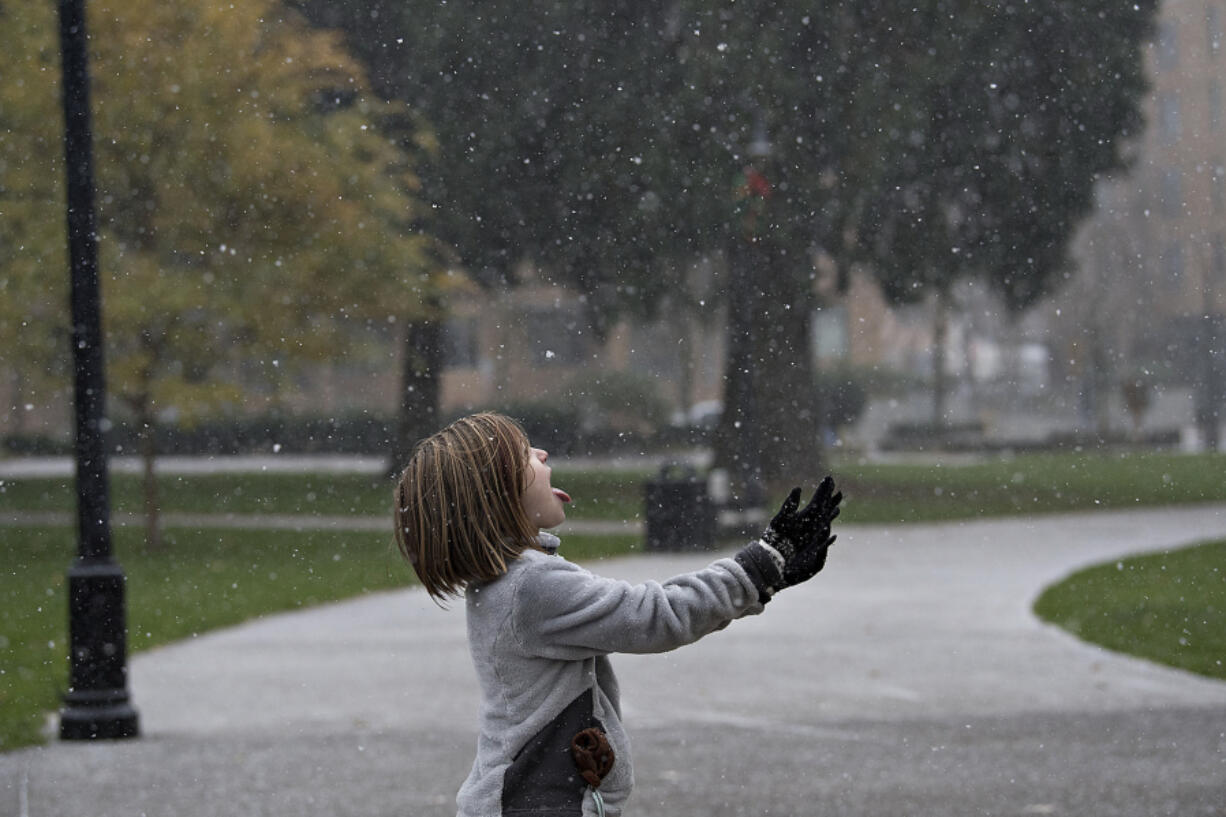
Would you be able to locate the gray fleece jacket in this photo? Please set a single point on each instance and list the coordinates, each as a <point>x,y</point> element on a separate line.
<point>540,635</point>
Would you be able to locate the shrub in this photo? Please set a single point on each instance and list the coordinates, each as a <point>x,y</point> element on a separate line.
<point>844,397</point>
<point>551,424</point>
<point>618,401</point>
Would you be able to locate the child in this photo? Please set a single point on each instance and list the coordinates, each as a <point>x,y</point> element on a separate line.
<point>470,509</point>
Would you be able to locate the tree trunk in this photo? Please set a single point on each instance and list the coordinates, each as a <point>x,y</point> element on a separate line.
<point>769,432</point>
<point>149,484</point>
<point>685,372</point>
<point>1101,375</point>
<point>1210,393</point>
<point>791,420</point>
<point>18,412</point>
<point>940,341</point>
<point>737,437</point>
<point>418,416</point>
<point>690,338</point>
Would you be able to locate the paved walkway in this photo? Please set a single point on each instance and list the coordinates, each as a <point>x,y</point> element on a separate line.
<point>909,678</point>
<point>16,467</point>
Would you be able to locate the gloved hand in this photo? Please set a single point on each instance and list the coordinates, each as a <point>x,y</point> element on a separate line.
<point>800,539</point>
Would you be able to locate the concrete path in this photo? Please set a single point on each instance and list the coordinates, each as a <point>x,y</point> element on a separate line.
<point>909,678</point>
<point>30,467</point>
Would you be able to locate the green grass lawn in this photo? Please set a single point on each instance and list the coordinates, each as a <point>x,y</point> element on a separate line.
<point>1168,607</point>
<point>1031,484</point>
<point>202,580</point>
<point>599,495</point>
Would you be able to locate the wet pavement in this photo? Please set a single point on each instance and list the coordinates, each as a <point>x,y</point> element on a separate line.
<point>910,677</point>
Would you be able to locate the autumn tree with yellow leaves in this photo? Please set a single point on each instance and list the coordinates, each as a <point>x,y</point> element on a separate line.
<point>251,208</point>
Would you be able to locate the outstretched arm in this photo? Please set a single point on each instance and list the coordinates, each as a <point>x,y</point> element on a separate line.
<point>563,611</point>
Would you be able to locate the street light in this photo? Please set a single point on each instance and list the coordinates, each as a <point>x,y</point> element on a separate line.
<point>97,704</point>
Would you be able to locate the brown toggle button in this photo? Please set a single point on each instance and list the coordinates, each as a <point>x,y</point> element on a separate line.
<point>592,754</point>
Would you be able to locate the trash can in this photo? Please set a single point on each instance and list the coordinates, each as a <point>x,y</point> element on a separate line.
<point>680,515</point>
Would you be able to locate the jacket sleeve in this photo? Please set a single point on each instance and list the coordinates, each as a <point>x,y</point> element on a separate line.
<point>562,611</point>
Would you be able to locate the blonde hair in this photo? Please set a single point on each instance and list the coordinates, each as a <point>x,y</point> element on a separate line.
<point>459,503</point>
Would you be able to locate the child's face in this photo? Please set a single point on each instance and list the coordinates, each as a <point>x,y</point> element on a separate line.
<point>544,504</point>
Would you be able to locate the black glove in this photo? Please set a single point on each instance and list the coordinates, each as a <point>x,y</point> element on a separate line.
<point>801,538</point>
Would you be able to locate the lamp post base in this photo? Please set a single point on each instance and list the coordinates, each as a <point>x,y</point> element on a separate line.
<point>88,722</point>
<point>97,705</point>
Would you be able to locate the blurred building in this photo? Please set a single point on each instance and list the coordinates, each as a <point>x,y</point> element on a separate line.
<point>534,341</point>
<point>1150,290</point>
<point>530,342</point>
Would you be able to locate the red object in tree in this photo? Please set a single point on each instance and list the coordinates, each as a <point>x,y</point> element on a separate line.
<point>756,184</point>
<point>752,191</point>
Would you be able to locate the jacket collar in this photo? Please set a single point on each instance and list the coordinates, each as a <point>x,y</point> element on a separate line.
<point>548,542</point>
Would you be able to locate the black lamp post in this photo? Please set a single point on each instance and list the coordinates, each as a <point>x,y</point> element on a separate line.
<point>97,704</point>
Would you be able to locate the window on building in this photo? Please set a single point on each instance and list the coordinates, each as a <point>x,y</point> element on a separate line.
<point>460,343</point>
<point>1168,119</point>
<point>1218,260</point>
<point>1168,47</point>
<point>1172,265</point>
<point>560,335</point>
<point>829,330</point>
<point>1215,106</point>
<point>1217,189</point>
<point>1172,194</point>
<point>1213,27</point>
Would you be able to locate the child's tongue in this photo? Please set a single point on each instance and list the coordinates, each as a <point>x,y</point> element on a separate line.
<point>562,495</point>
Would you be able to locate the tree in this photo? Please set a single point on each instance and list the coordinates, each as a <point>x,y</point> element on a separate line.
<point>540,155</point>
<point>544,113</point>
<point>801,82</point>
<point>252,213</point>
<point>1029,107</point>
<point>32,236</point>
<point>601,139</point>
